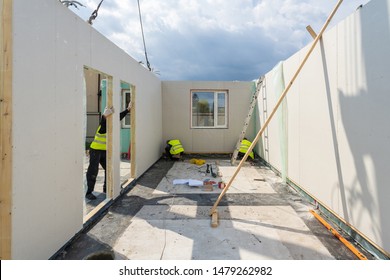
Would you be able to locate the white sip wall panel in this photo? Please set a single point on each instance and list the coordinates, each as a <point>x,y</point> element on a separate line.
<point>177,113</point>
<point>67,120</point>
<point>148,101</point>
<point>45,115</point>
<point>293,113</point>
<point>148,121</point>
<point>317,162</point>
<point>341,139</point>
<point>50,53</point>
<point>177,116</point>
<point>363,93</point>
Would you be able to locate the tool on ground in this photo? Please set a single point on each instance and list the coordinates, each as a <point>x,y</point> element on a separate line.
<point>197,161</point>
<point>338,235</point>
<point>208,182</point>
<point>248,118</point>
<point>208,168</point>
<point>213,212</point>
<point>212,173</point>
<point>209,185</point>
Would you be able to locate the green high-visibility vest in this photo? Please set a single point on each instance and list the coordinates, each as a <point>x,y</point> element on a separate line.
<point>176,147</point>
<point>100,141</point>
<point>245,144</point>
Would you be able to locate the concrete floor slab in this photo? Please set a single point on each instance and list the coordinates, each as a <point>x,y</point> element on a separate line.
<point>257,219</point>
<point>244,232</point>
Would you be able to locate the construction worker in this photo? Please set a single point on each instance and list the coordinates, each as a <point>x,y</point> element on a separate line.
<point>245,144</point>
<point>97,152</point>
<point>174,149</point>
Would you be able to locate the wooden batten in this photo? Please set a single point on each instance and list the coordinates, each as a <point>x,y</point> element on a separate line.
<point>311,31</point>
<point>133,128</point>
<point>109,163</point>
<point>6,128</point>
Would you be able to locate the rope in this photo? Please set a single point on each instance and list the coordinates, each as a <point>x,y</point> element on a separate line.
<point>143,36</point>
<point>94,13</point>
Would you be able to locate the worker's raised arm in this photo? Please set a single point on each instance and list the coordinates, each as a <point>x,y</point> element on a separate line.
<point>108,112</point>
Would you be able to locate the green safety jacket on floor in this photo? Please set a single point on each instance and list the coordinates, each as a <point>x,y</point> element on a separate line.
<point>176,147</point>
<point>245,144</point>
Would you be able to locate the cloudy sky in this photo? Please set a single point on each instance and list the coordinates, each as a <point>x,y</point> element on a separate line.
<point>220,40</point>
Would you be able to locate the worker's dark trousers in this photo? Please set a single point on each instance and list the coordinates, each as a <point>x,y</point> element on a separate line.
<point>96,157</point>
<point>167,151</point>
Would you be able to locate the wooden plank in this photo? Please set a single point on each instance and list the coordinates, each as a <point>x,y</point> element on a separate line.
<point>109,159</point>
<point>311,31</point>
<point>96,210</point>
<point>6,129</point>
<point>133,130</point>
<point>213,209</point>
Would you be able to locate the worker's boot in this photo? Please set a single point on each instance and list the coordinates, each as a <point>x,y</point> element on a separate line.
<point>90,196</point>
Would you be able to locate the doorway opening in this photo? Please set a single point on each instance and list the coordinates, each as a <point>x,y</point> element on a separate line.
<point>98,96</point>
<point>127,145</point>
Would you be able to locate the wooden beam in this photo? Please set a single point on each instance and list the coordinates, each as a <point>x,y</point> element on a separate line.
<point>213,209</point>
<point>132,133</point>
<point>6,12</point>
<point>110,146</point>
<point>311,31</point>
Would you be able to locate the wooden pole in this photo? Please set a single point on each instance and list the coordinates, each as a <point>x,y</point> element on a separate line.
<point>6,71</point>
<point>311,31</point>
<point>132,132</point>
<point>110,145</point>
<point>213,209</point>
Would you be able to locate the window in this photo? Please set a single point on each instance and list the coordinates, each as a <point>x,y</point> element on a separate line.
<point>125,101</point>
<point>209,109</point>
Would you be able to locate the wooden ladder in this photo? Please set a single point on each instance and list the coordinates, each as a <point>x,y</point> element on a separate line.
<point>247,119</point>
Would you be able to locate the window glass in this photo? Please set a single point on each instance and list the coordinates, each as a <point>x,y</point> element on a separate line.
<point>208,109</point>
<point>221,109</point>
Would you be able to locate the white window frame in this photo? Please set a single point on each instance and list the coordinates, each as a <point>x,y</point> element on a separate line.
<point>216,124</point>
